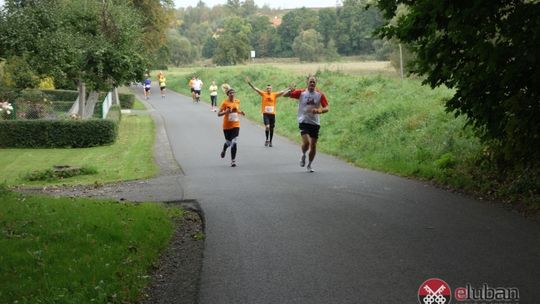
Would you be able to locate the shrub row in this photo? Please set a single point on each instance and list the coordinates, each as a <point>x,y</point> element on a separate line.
<point>67,95</point>
<point>57,133</point>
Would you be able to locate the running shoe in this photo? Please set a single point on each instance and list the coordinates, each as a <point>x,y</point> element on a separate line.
<point>222,154</point>
<point>270,144</point>
<point>303,161</point>
<point>309,169</point>
<point>233,163</point>
<point>266,143</point>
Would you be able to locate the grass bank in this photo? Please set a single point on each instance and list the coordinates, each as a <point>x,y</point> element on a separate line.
<point>379,122</point>
<point>62,250</point>
<point>112,163</point>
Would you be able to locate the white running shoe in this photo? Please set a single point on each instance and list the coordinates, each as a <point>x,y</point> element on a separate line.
<point>303,161</point>
<point>309,169</point>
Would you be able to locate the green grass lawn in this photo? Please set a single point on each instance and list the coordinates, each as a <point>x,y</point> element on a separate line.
<point>113,163</point>
<point>63,250</point>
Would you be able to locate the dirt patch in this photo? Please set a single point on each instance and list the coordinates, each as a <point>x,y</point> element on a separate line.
<point>176,276</point>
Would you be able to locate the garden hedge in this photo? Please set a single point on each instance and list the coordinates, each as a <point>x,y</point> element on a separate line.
<point>57,133</point>
<point>126,100</point>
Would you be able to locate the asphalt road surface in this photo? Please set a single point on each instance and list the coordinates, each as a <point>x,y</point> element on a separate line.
<point>278,234</point>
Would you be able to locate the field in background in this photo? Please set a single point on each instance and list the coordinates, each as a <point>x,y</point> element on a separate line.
<point>347,65</point>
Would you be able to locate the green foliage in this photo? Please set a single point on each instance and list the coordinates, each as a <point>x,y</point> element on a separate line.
<point>130,157</point>
<point>64,95</point>
<point>126,100</point>
<point>484,50</point>
<point>233,44</point>
<point>180,49</point>
<point>263,37</point>
<point>52,174</point>
<point>209,46</point>
<point>293,23</point>
<point>19,74</point>
<point>65,250</point>
<point>57,133</point>
<point>308,46</point>
<point>97,42</point>
<point>355,27</point>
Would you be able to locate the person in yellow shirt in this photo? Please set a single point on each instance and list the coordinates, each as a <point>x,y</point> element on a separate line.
<point>268,109</point>
<point>162,81</point>
<point>213,95</point>
<point>230,110</point>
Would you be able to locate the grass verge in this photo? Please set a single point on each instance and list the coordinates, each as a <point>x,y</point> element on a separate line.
<point>61,250</point>
<point>130,157</point>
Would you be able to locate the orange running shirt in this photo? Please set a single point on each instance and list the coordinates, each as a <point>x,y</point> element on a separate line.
<point>231,120</point>
<point>268,105</point>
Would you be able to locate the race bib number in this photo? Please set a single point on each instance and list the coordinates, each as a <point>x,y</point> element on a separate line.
<point>147,86</point>
<point>269,109</point>
<point>233,117</point>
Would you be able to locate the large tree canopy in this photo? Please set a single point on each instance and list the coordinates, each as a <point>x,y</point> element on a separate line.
<point>488,51</point>
<point>233,44</point>
<point>99,42</point>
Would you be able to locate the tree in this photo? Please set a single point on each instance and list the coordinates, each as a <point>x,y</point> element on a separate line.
<point>327,24</point>
<point>233,44</point>
<point>209,47</point>
<point>181,51</point>
<point>308,46</point>
<point>293,23</point>
<point>486,50</point>
<point>262,36</point>
<point>95,42</point>
<point>355,27</point>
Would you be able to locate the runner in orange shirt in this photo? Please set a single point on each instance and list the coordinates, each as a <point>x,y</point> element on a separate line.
<point>268,109</point>
<point>230,109</point>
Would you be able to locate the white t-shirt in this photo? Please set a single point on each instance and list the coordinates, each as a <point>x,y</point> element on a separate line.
<point>197,85</point>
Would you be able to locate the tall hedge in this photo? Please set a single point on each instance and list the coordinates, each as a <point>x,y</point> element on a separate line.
<point>57,133</point>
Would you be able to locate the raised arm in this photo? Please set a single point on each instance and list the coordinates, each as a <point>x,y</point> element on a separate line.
<point>252,86</point>
<point>287,91</point>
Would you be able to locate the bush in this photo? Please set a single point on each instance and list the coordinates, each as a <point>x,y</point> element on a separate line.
<point>63,95</point>
<point>126,100</point>
<point>57,133</point>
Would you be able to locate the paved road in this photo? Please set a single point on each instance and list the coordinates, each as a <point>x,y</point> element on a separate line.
<point>277,234</point>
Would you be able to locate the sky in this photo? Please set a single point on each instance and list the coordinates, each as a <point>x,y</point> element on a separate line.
<point>260,3</point>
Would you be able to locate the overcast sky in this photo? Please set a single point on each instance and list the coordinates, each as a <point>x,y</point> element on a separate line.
<point>260,3</point>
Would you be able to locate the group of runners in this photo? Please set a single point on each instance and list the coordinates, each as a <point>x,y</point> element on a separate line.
<point>162,82</point>
<point>311,103</point>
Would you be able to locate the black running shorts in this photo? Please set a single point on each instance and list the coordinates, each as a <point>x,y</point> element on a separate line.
<point>312,130</point>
